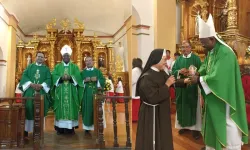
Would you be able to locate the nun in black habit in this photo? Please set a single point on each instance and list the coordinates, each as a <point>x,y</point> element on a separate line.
<point>154,130</point>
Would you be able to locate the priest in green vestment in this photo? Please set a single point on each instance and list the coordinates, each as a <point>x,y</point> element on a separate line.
<point>224,120</point>
<point>93,80</point>
<point>188,115</point>
<point>67,85</point>
<point>36,77</point>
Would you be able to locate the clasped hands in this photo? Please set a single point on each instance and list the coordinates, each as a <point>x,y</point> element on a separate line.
<point>36,87</point>
<point>88,79</point>
<point>66,77</point>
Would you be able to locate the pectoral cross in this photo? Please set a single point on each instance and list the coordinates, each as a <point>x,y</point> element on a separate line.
<point>37,75</point>
<point>66,72</point>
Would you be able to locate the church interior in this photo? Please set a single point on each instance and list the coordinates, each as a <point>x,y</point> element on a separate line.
<point>168,23</point>
<point>112,33</point>
<point>97,29</point>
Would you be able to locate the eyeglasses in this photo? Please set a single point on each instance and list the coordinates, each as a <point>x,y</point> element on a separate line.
<point>185,47</point>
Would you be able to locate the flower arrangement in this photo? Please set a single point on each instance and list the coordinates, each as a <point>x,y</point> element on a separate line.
<point>247,53</point>
<point>107,86</point>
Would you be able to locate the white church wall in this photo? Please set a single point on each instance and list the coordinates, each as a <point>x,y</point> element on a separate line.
<point>4,34</point>
<point>21,36</point>
<point>145,11</point>
<point>3,51</point>
<point>3,72</point>
<point>121,36</point>
<point>178,23</point>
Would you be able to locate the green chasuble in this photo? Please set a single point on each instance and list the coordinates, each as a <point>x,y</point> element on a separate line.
<point>186,98</point>
<point>66,96</point>
<point>90,88</point>
<point>221,73</point>
<point>37,75</point>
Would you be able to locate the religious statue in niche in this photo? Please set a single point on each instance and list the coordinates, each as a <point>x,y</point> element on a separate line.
<point>197,24</point>
<point>120,57</point>
<point>223,18</point>
<point>84,56</point>
<point>28,60</point>
<point>101,61</point>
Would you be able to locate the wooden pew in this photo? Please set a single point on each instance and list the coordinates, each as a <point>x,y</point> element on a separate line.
<point>12,121</point>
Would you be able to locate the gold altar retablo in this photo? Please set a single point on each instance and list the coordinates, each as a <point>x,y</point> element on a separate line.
<point>232,27</point>
<point>103,54</point>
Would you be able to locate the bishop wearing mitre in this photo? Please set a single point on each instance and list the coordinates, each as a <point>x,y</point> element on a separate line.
<point>67,85</point>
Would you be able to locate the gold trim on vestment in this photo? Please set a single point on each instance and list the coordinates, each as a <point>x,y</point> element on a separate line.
<point>229,112</point>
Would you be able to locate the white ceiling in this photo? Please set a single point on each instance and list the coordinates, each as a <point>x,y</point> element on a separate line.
<point>103,16</point>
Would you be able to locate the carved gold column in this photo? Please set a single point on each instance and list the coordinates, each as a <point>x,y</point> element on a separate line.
<point>52,54</point>
<point>232,15</point>
<point>111,60</point>
<point>78,39</point>
<point>20,52</point>
<point>20,47</point>
<point>95,56</point>
<point>78,54</point>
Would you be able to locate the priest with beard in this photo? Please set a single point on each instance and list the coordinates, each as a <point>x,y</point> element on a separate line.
<point>154,130</point>
<point>67,85</point>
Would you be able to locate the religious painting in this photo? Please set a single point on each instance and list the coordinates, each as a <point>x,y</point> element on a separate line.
<point>84,56</point>
<point>102,60</point>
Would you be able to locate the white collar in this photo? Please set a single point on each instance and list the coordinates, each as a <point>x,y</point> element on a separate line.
<point>188,56</point>
<point>65,64</point>
<point>38,64</point>
<point>91,69</point>
<point>155,69</point>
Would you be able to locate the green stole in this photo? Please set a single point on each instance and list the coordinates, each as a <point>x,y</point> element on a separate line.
<point>37,75</point>
<point>221,73</point>
<point>186,98</point>
<point>66,96</point>
<point>90,88</point>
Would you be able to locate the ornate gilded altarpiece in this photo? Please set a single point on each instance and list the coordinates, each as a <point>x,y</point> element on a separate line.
<point>226,18</point>
<point>103,54</point>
